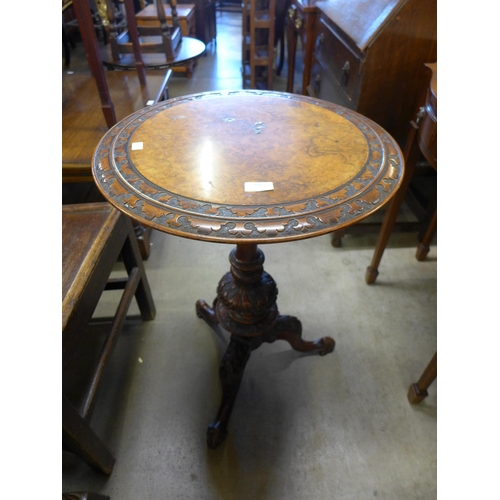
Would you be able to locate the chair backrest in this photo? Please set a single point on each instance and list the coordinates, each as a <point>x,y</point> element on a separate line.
<point>163,39</point>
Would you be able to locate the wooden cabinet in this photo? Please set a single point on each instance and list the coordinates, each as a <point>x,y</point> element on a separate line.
<point>206,29</point>
<point>369,55</point>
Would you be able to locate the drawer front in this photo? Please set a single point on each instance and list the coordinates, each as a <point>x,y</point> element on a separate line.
<point>342,63</point>
<point>323,86</point>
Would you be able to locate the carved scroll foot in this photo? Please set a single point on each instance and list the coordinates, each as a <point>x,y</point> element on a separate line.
<point>289,328</point>
<point>215,436</point>
<point>207,313</point>
<point>230,372</point>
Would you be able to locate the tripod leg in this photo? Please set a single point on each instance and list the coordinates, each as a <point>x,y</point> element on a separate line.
<point>230,372</point>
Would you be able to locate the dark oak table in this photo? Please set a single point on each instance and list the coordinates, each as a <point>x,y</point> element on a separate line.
<point>182,166</point>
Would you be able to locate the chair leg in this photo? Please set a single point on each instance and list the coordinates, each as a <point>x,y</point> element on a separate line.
<point>132,259</point>
<point>418,392</point>
<point>82,440</point>
<point>423,246</point>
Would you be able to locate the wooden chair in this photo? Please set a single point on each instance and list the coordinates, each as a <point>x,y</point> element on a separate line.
<point>163,39</point>
<point>94,236</point>
<point>258,43</point>
<point>417,392</point>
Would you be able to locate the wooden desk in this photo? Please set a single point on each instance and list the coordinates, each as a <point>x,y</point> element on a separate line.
<point>368,57</point>
<point>188,179</point>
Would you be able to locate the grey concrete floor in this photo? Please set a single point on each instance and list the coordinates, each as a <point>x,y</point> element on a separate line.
<point>303,427</point>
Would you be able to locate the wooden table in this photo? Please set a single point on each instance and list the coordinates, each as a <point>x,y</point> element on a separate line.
<point>181,167</point>
<point>188,51</point>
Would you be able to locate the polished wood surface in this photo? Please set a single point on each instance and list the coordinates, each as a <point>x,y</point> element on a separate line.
<point>330,167</point>
<point>364,21</point>
<point>181,167</point>
<point>83,123</point>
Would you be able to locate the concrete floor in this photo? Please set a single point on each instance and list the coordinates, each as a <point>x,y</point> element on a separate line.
<point>303,427</point>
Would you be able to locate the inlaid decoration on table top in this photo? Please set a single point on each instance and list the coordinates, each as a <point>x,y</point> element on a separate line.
<point>181,166</point>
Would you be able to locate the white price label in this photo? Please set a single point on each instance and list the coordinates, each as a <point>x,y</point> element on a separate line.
<point>253,187</point>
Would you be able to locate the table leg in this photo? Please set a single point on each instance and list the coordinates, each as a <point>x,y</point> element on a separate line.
<point>245,306</point>
<point>230,373</point>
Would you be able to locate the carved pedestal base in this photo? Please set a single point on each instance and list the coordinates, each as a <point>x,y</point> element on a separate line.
<point>246,307</point>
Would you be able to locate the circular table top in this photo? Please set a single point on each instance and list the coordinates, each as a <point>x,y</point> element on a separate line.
<point>188,50</point>
<point>181,166</point>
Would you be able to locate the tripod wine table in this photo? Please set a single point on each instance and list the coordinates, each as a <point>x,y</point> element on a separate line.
<point>247,168</point>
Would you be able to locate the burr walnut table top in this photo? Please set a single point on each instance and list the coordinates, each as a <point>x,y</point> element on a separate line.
<point>181,166</point>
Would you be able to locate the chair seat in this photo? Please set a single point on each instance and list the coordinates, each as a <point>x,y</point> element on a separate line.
<point>94,236</point>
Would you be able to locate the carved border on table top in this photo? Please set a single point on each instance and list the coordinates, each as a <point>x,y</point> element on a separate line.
<point>129,191</point>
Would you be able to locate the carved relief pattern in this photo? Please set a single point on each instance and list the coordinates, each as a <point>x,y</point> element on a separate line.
<point>125,187</point>
<point>247,303</point>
